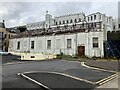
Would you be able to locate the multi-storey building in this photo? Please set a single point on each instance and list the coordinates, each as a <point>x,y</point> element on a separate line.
<point>70,34</point>
<point>4,37</point>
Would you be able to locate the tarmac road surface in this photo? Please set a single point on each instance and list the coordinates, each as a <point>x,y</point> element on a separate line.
<point>12,80</point>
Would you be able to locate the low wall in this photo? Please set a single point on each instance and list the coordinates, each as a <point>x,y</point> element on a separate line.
<point>34,56</point>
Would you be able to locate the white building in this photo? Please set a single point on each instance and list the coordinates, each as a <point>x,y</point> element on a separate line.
<point>116,24</point>
<point>80,41</point>
<point>71,19</point>
<point>70,34</point>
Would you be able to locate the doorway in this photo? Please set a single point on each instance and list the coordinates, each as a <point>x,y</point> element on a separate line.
<point>81,50</point>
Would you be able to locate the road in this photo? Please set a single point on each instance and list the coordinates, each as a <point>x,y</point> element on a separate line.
<point>12,80</point>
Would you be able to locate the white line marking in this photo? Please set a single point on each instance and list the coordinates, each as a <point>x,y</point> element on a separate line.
<point>63,74</point>
<point>83,64</point>
<point>40,84</point>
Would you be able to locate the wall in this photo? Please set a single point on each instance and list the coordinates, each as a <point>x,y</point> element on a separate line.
<point>59,44</point>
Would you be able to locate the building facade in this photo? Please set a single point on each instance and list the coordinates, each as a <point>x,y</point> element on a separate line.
<point>4,37</point>
<point>79,39</point>
<point>73,34</point>
<point>71,19</point>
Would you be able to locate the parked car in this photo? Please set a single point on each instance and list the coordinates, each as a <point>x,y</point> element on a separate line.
<point>4,53</point>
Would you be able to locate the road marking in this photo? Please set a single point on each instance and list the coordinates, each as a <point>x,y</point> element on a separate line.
<point>102,81</point>
<point>36,82</point>
<point>63,74</point>
<point>13,63</point>
<point>83,64</point>
<point>27,61</point>
<point>108,79</point>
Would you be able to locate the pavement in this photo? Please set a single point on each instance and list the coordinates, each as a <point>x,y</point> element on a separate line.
<point>109,65</point>
<point>12,80</point>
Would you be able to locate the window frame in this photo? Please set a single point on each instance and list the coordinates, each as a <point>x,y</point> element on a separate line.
<point>69,46</point>
<point>95,43</point>
<point>18,45</point>
<point>32,44</point>
<point>48,47</point>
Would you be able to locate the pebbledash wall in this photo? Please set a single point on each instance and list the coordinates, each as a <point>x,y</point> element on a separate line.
<point>59,44</point>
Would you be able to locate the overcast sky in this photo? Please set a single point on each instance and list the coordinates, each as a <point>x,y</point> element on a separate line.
<point>20,13</point>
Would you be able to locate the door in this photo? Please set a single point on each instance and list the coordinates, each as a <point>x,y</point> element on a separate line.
<point>81,50</point>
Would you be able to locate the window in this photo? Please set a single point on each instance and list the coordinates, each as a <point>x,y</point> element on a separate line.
<point>58,43</point>
<point>5,35</point>
<point>75,20</point>
<point>60,22</point>
<point>107,20</point>
<point>48,44</point>
<point>69,43</point>
<point>32,44</point>
<point>79,20</point>
<point>67,21</point>
<point>95,42</point>
<point>9,36</point>
<point>18,45</point>
<point>100,17</point>
<point>56,23</point>
<point>88,18</point>
<point>113,26</point>
<point>119,25</point>
<point>94,17</point>
<point>71,21</point>
<point>91,18</point>
<point>63,22</point>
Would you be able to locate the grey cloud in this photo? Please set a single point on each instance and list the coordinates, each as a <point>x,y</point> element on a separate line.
<point>20,13</point>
